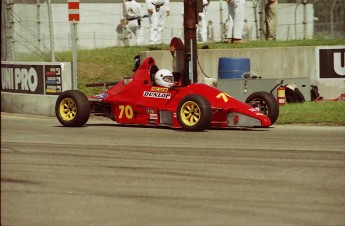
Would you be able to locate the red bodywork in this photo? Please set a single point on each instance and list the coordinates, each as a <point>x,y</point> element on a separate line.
<point>138,101</point>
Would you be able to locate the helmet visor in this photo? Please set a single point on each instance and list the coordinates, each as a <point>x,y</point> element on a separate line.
<point>169,79</point>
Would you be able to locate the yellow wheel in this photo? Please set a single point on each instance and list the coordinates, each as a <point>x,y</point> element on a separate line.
<point>190,113</point>
<point>194,113</point>
<point>72,108</point>
<point>68,109</point>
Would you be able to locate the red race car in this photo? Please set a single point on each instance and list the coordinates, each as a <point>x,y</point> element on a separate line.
<point>155,97</point>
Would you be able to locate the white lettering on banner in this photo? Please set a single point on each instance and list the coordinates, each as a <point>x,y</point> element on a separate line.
<point>157,95</point>
<point>6,78</point>
<point>26,79</point>
<point>339,67</point>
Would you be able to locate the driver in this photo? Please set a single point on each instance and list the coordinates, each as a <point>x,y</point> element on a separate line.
<point>164,78</point>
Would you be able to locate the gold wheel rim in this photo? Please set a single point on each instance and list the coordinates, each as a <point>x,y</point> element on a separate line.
<point>190,113</point>
<point>68,109</point>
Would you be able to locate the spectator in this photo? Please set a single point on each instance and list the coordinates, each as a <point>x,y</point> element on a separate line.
<point>202,25</point>
<point>236,17</point>
<point>158,10</point>
<point>210,31</point>
<point>224,28</point>
<point>271,7</point>
<point>247,30</point>
<point>133,12</point>
<point>123,35</point>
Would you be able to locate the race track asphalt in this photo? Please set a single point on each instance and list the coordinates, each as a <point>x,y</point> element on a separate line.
<point>107,174</point>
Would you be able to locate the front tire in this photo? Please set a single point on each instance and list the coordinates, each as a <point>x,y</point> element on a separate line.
<point>194,113</point>
<point>72,108</point>
<point>265,103</point>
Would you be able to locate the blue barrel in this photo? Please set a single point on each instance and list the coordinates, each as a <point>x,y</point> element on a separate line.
<point>232,67</point>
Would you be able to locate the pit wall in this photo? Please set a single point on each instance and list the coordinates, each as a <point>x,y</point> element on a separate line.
<point>32,87</point>
<point>323,66</point>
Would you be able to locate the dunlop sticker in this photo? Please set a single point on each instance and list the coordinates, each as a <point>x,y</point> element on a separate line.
<point>157,95</point>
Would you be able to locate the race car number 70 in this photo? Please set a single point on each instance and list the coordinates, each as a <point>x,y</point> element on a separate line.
<point>128,110</point>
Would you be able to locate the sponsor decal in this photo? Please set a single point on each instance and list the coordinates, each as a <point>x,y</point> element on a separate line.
<point>331,62</point>
<point>150,111</point>
<point>157,95</point>
<point>151,121</point>
<point>53,89</point>
<point>53,79</point>
<point>101,96</point>
<point>153,116</point>
<point>22,78</point>
<point>159,89</point>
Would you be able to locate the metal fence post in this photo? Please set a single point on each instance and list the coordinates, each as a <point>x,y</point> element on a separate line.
<point>332,19</point>
<point>304,19</point>
<point>51,31</point>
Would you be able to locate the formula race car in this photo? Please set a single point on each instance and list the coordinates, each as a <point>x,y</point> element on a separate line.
<point>138,100</point>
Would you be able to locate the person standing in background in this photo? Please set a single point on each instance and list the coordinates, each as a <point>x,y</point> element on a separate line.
<point>210,31</point>
<point>158,10</point>
<point>133,12</point>
<point>202,25</point>
<point>123,35</point>
<point>236,18</point>
<point>271,7</point>
<point>247,30</point>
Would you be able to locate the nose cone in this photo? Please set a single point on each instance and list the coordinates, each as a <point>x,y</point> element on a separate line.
<point>266,122</point>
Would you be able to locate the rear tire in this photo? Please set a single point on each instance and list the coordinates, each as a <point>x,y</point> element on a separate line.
<point>72,108</point>
<point>266,103</point>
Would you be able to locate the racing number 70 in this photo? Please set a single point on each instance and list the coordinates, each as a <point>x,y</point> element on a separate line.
<point>127,110</point>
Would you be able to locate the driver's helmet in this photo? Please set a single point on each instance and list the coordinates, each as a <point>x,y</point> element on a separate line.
<point>164,77</point>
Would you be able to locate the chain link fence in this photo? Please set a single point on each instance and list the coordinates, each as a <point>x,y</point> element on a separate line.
<point>329,19</point>
<point>25,27</point>
<point>28,26</point>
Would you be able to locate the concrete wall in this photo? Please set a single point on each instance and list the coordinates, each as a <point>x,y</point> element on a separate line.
<point>269,63</point>
<point>28,104</point>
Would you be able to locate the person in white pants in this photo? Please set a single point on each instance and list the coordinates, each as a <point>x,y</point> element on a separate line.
<point>133,12</point>
<point>202,27</point>
<point>236,17</point>
<point>158,10</point>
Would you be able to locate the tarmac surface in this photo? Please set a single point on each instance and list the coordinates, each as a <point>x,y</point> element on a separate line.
<point>108,174</point>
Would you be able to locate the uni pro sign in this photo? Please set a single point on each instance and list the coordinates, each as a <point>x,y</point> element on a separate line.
<point>331,62</point>
<point>22,78</point>
<point>31,79</point>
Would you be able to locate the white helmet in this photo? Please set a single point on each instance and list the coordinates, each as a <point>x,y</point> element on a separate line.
<point>164,77</point>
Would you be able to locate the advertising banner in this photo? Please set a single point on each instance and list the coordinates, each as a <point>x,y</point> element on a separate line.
<point>331,62</point>
<point>31,79</point>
